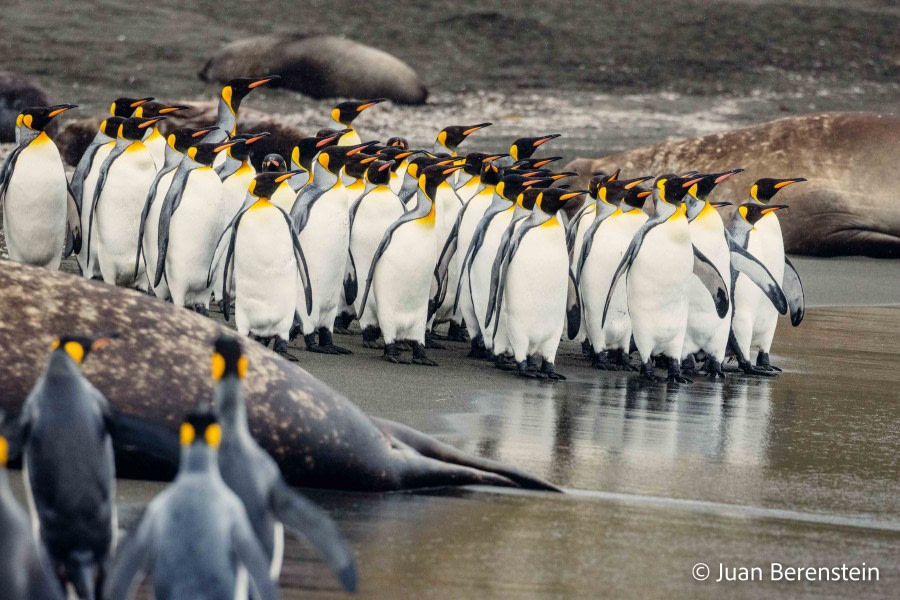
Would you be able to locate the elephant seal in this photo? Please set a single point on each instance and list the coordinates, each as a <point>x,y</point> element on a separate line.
<point>17,92</point>
<point>848,206</point>
<point>321,66</point>
<point>160,368</point>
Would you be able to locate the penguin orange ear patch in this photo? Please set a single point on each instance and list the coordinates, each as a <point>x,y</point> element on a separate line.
<point>213,435</point>
<point>218,366</point>
<point>242,366</point>
<point>187,434</point>
<point>75,351</point>
<point>4,451</point>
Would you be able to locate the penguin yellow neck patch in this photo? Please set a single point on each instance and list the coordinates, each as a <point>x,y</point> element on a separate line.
<point>42,138</point>
<point>4,451</point>
<point>213,435</point>
<point>187,434</point>
<point>428,220</point>
<point>259,204</point>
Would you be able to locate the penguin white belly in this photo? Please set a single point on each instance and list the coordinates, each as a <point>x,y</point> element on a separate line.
<point>705,330</point>
<point>234,191</point>
<point>401,282</point>
<point>283,197</point>
<point>325,241</point>
<point>612,238</point>
<point>156,144</point>
<point>265,274</point>
<point>90,184</point>
<point>118,215</point>
<point>35,208</point>
<point>535,294</point>
<point>397,177</point>
<point>447,207</point>
<point>771,254</point>
<point>475,210</point>
<point>150,241</point>
<point>376,212</point>
<point>480,271</point>
<point>193,232</point>
<point>657,289</point>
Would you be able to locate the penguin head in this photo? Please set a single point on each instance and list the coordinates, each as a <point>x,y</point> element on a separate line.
<point>634,199</point>
<point>307,148</point>
<point>614,191</point>
<point>345,112</point>
<point>510,186</point>
<point>125,107</point>
<point>529,196</point>
<point>598,179</point>
<point>201,427</point>
<point>37,118</point>
<point>531,163</point>
<point>432,176</point>
<point>490,174</point>
<point>672,188</point>
<point>274,163</point>
<point>398,142</point>
<point>156,109</point>
<point>237,89</point>
<point>228,359</point>
<point>475,161</point>
<point>396,154</point>
<point>205,152</point>
<point>699,191</point>
<point>752,212</point>
<point>135,128</point>
<point>357,164</point>
<point>332,158</point>
<point>265,184</point>
<point>551,200</point>
<point>378,172</point>
<point>525,147</point>
<point>110,126</point>
<point>242,144</point>
<point>77,347</point>
<point>764,189</point>
<point>184,137</point>
<point>453,136</point>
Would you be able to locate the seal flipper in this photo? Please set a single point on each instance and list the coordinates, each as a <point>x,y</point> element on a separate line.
<point>573,307</point>
<point>746,263</point>
<point>138,443</point>
<point>793,291</point>
<point>431,448</point>
<point>170,205</point>
<point>314,524</point>
<point>712,280</point>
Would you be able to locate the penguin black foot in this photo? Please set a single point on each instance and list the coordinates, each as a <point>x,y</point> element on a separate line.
<point>748,369</point>
<point>587,349</point>
<point>762,362</point>
<point>342,324</point>
<point>714,369</point>
<point>660,362</point>
<point>201,310</point>
<point>477,349</point>
<point>532,363</point>
<point>370,338</point>
<point>623,360</point>
<point>327,341</point>
<point>403,347</point>
<point>419,357</point>
<point>522,370</point>
<point>281,347</point>
<point>457,333</point>
<point>392,355</point>
<point>602,362</point>
<point>688,366</point>
<point>263,340</point>
<point>647,372</point>
<point>312,346</point>
<point>507,363</point>
<point>549,369</point>
<point>675,375</point>
<point>430,342</point>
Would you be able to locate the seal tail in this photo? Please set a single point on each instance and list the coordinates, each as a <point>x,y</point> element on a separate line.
<point>447,455</point>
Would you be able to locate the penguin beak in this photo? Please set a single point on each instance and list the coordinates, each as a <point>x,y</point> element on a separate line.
<point>493,157</point>
<point>475,128</point>
<point>328,140</point>
<point>570,195</point>
<point>788,182</point>
<point>227,144</point>
<point>360,147</point>
<point>151,122</point>
<point>558,176</point>
<point>173,108</point>
<point>386,165</point>
<point>545,161</point>
<point>722,177</point>
<point>773,208</point>
<point>545,139</point>
<point>720,204</point>
<point>634,182</point>
<point>257,137</point>
<point>692,181</point>
<point>450,170</point>
<point>286,176</point>
<point>61,109</point>
<point>101,341</point>
<point>615,176</point>
<point>643,194</point>
<point>263,81</point>
<point>140,101</point>
<point>202,132</point>
<point>370,103</point>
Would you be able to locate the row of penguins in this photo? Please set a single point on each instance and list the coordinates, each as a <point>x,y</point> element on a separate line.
<point>217,531</point>
<point>405,239</point>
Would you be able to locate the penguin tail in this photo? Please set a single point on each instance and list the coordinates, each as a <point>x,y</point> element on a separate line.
<point>81,574</point>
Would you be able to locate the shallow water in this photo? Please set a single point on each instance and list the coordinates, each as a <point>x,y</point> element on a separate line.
<point>801,470</point>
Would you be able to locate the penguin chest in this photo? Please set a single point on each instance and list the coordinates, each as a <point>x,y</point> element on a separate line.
<point>196,225</point>
<point>447,207</point>
<point>536,282</point>
<point>376,212</point>
<point>403,273</point>
<point>283,197</point>
<point>122,200</point>
<point>35,207</point>
<point>657,281</point>
<point>768,245</point>
<point>325,240</point>
<point>234,189</point>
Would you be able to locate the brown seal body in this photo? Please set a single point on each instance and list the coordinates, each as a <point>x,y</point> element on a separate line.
<point>160,368</point>
<point>850,204</point>
<point>321,66</point>
<point>18,92</point>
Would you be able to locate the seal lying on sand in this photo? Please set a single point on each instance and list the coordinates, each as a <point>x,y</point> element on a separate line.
<point>849,205</point>
<point>321,66</point>
<point>159,368</point>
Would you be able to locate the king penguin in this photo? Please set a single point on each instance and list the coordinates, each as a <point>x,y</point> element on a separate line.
<point>449,138</point>
<point>767,244</point>
<point>68,467</point>
<point>230,98</point>
<point>252,474</point>
<point>658,265</point>
<point>153,138</point>
<point>402,270</point>
<point>37,216</point>
<point>24,570</point>
<point>263,265</point>
<point>195,537</point>
<point>343,115</point>
<point>302,156</point>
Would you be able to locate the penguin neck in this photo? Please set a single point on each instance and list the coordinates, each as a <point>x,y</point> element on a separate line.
<point>152,134</point>
<point>6,494</point>
<point>424,207</point>
<point>299,180</point>
<point>520,211</point>
<point>226,121</point>
<point>664,210</point>
<point>230,405</point>
<point>498,202</point>
<point>61,365</point>
<point>230,166</point>
<point>26,135</point>
<point>171,159</point>
<point>197,458</point>
<point>603,209</point>
<point>322,178</point>
<point>693,207</point>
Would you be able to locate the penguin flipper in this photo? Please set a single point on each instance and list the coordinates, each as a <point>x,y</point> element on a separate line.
<point>746,263</point>
<point>151,196</point>
<point>302,266</point>
<point>573,307</point>
<point>630,253</point>
<point>351,283</point>
<point>497,267</point>
<point>98,191</point>
<point>134,557</point>
<point>7,170</point>
<point>587,245</point>
<point>302,205</point>
<point>73,224</point>
<point>314,524</point>
<point>512,248</point>
<point>442,268</point>
<point>712,280</point>
<point>228,277</point>
<point>354,208</point>
<point>379,252</point>
<point>793,291</point>
<point>572,230</point>
<point>170,204</point>
<point>248,552</point>
<point>474,246</point>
